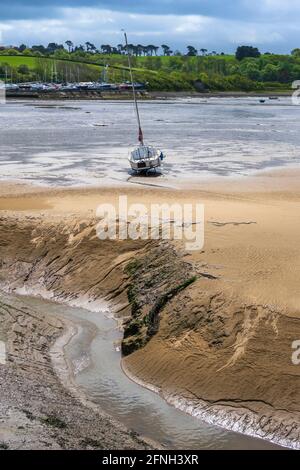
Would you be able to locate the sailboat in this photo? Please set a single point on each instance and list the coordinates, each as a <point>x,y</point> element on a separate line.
<point>144,157</point>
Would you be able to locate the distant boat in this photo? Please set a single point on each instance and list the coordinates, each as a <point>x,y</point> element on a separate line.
<point>262,101</point>
<point>144,157</point>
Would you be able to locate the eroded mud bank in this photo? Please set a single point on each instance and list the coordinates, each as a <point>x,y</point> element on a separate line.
<point>210,354</point>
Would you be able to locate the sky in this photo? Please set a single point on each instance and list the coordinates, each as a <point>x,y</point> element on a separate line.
<point>220,25</point>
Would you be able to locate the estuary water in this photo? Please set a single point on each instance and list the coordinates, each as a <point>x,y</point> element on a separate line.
<point>87,142</point>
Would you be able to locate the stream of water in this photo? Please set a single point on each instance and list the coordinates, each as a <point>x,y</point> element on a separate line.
<point>96,366</point>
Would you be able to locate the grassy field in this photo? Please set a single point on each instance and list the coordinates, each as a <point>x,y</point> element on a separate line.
<point>31,62</point>
<point>16,61</point>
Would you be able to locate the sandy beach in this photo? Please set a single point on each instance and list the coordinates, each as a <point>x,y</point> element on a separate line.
<point>223,346</point>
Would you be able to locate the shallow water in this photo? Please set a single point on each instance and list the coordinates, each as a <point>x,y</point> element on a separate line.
<point>96,365</point>
<point>87,142</point>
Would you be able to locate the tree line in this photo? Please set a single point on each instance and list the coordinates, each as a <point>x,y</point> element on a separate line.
<point>137,50</point>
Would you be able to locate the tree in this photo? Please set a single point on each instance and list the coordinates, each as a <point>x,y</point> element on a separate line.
<point>246,51</point>
<point>270,73</point>
<point>130,48</point>
<point>151,49</point>
<point>22,47</point>
<point>23,69</point>
<point>203,51</point>
<point>296,72</point>
<point>140,49</point>
<point>296,52</point>
<point>166,49</point>
<point>79,51</point>
<point>136,51</point>
<point>120,48</point>
<point>27,52</point>
<point>192,51</point>
<point>252,71</point>
<point>106,49</point>
<point>285,72</point>
<point>60,54</point>
<point>52,47</point>
<point>143,50</point>
<point>90,47</point>
<point>70,45</point>
<point>12,52</point>
<point>39,48</point>
<point>233,70</point>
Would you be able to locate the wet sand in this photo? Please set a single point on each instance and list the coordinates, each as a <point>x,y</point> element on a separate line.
<point>85,143</point>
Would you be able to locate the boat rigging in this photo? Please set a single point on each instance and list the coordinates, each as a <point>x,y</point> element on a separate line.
<point>144,157</point>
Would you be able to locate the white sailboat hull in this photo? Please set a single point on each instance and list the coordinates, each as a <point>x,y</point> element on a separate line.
<point>145,158</point>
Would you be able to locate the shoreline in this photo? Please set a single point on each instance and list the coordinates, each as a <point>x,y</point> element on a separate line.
<point>220,94</point>
<point>144,96</point>
<point>180,403</point>
<point>267,180</point>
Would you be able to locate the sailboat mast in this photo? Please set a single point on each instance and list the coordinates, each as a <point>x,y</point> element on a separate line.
<point>141,137</point>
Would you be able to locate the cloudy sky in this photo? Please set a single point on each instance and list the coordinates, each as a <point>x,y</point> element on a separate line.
<point>272,25</point>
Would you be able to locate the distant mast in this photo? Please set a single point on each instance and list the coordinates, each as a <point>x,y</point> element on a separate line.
<point>141,137</point>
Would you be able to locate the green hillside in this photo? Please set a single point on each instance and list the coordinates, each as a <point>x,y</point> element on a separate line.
<point>166,73</point>
<point>16,61</point>
<point>21,68</point>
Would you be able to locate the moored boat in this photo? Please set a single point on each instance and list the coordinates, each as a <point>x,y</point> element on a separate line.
<point>144,157</point>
